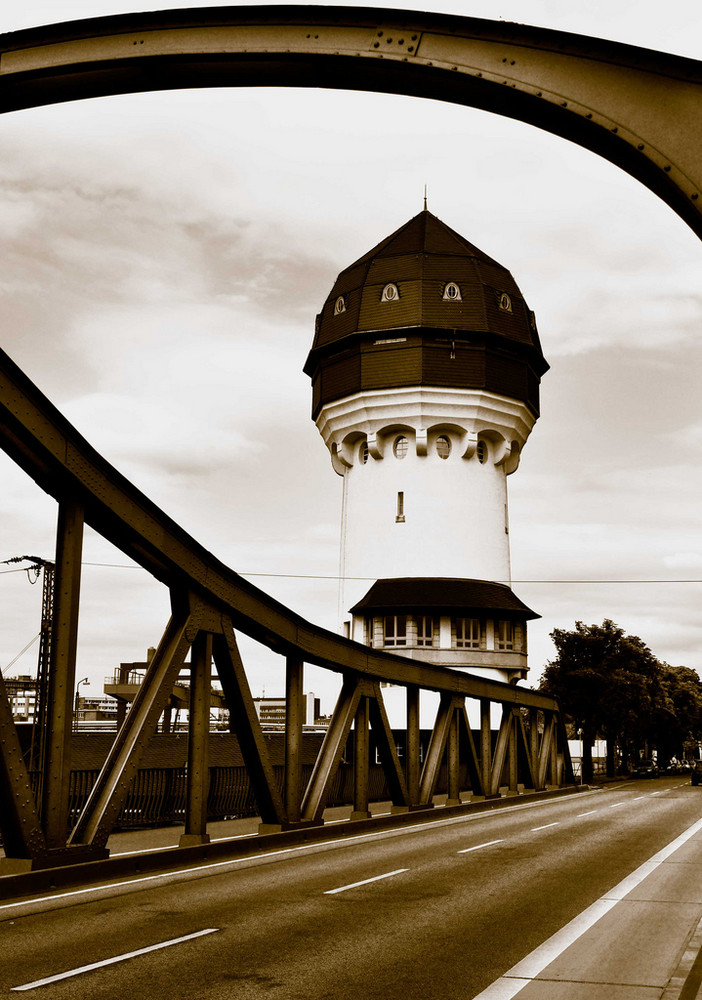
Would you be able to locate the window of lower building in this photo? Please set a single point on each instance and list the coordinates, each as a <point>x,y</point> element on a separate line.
<point>425,630</point>
<point>504,635</point>
<point>469,633</point>
<point>395,630</point>
<point>368,632</point>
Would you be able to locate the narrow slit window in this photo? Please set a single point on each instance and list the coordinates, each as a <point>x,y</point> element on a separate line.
<point>400,512</point>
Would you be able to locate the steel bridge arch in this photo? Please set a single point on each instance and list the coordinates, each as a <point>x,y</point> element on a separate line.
<point>637,108</point>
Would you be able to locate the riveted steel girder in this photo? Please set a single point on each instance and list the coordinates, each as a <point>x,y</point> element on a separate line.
<point>640,109</point>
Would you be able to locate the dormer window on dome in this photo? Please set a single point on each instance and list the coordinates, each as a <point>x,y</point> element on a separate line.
<point>505,302</point>
<point>340,306</point>
<point>390,293</point>
<point>452,292</point>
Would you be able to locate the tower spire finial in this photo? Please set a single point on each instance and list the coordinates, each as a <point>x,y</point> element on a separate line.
<point>425,197</point>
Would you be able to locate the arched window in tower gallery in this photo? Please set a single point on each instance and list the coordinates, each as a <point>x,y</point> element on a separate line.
<point>399,448</point>
<point>443,446</point>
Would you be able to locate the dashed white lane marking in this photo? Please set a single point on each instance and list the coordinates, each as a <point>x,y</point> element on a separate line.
<point>615,804</point>
<point>111,961</point>
<point>466,850</point>
<point>636,799</point>
<point>366,881</point>
<point>524,972</point>
<point>545,827</point>
<point>588,813</point>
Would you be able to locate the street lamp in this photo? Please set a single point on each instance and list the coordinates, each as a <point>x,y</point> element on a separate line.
<point>85,680</point>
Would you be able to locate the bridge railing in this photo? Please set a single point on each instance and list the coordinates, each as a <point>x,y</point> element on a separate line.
<point>210,602</point>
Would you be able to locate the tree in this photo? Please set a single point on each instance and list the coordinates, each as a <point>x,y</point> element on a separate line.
<point>609,684</point>
<point>678,721</point>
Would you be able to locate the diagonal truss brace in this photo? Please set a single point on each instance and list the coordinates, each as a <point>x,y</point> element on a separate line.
<point>21,830</point>
<point>112,786</point>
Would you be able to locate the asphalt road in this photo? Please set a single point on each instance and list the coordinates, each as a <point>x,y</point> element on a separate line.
<point>437,911</point>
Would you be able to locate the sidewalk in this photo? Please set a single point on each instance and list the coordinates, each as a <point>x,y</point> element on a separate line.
<point>642,940</point>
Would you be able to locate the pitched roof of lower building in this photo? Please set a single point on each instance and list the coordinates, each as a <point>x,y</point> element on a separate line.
<point>433,595</point>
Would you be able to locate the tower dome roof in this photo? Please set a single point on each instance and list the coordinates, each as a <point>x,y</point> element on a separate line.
<point>426,284</point>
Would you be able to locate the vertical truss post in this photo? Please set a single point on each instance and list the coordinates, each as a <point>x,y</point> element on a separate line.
<point>534,746</point>
<point>413,763</point>
<point>62,674</point>
<point>197,786</point>
<point>453,762</point>
<point>294,713</point>
<point>513,762</point>
<point>486,747</point>
<point>361,761</point>
<point>474,774</point>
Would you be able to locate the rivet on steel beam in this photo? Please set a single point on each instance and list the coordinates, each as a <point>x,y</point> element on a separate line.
<point>376,45</point>
<point>694,196</point>
<point>615,129</point>
<point>667,169</point>
<point>588,115</point>
<point>410,48</point>
<point>380,34</point>
<point>414,38</point>
<point>640,146</point>
<point>564,104</point>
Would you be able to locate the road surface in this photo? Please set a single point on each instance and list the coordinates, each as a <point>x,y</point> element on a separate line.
<point>432,911</point>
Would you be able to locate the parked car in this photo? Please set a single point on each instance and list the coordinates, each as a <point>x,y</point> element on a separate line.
<point>646,769</point>
<point>696,777</point>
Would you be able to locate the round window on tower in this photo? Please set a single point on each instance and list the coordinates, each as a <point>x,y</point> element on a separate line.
<point>363,453</point>
<point>399,449</point>
<point>505,302</point>
<point>340,306</point>
<point>452,292</point>
<point>443,446</point>
<point>390,293</point>
<point>482,452</point>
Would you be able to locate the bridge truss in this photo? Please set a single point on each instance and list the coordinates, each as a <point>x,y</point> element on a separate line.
<point>209,603</point>
<point>639,109</point>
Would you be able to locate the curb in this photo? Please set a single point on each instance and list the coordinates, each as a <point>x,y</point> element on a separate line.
<point>31,883</point>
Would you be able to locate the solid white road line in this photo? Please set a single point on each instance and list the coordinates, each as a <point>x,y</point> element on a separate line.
<point>535,828</point>
<point>111,961</point>
<point>366,881</point>
<point>467,850</point>
<point>524,972</point>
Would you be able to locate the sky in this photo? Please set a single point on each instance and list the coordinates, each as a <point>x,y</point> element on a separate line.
<point>163,257</point>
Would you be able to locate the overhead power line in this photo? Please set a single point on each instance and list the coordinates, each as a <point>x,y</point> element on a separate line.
<point>323,576</point>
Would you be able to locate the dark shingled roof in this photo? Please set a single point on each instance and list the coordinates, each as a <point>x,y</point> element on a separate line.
<point>421,257</point>
<point>442,594</point>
